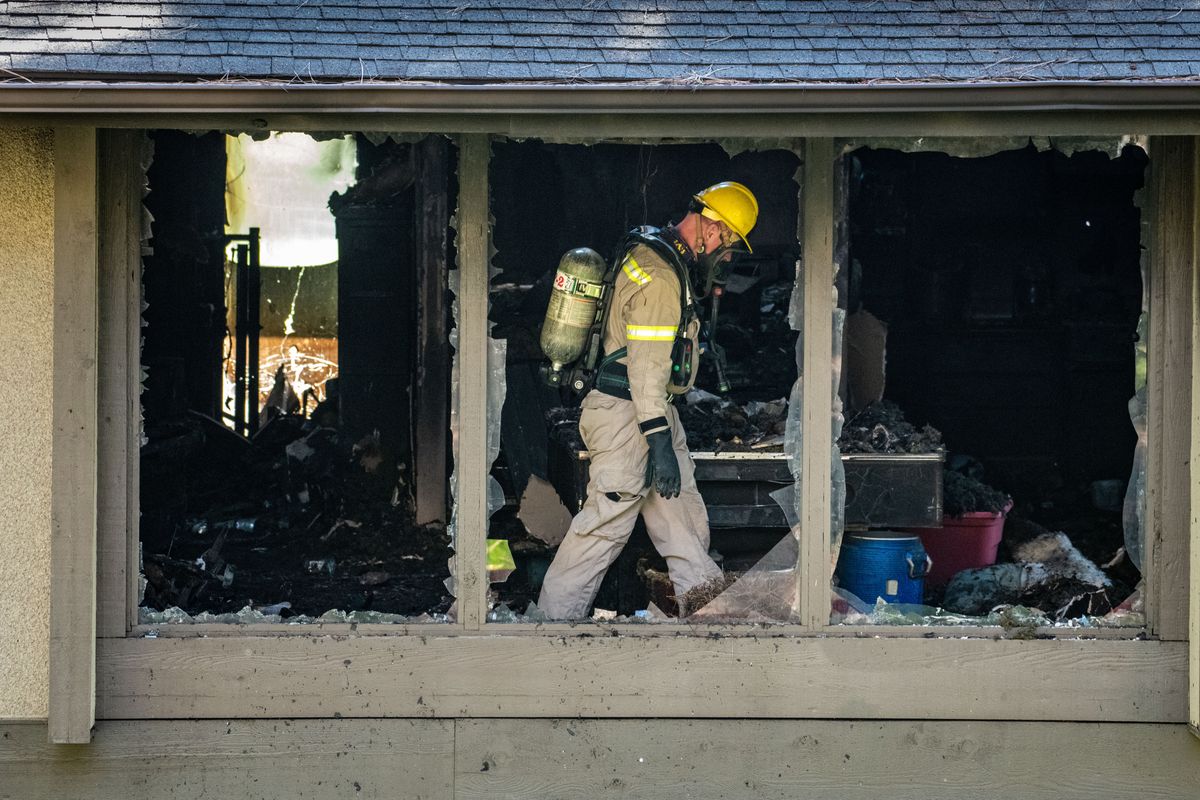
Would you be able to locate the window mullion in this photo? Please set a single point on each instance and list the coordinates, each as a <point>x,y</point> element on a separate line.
<point>472,467</point>
<point>815,494</point>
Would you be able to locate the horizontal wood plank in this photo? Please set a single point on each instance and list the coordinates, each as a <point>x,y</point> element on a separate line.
<point>233,760</point>
<point>589,676</point>
<point>605,628</point>
<point>562,758</point>
<point>666,759</point>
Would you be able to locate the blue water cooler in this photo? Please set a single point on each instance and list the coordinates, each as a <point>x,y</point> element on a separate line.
<point>883,564</point>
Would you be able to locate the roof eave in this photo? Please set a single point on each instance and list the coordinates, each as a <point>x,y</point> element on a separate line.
<point>78,97</point>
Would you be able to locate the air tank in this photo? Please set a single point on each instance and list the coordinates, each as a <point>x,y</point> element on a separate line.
<point>578,286</point>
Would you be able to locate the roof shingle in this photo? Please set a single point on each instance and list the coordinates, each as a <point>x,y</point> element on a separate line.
<point>605,40</point>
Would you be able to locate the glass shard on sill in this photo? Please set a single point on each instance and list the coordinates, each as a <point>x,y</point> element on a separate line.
<point>767,592</point>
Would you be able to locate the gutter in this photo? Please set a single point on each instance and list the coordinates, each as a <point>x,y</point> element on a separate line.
<point>132,99</point>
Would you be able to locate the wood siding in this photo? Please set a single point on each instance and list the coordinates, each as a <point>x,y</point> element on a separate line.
<point>585,675</point>
<point>566,758</point>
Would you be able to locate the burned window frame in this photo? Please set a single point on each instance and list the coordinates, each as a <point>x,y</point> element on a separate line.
<point>429,159</point>
<point>1148,347</point>
<point>802,670</point>
<point>819,235</point>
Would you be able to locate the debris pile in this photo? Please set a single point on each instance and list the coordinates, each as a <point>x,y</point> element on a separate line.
<point>1048,573</point>
<point>702,594</point>
<point>719,425</point>
<point>962,494</point>
<point>881,428</point>
<point>292,521</point>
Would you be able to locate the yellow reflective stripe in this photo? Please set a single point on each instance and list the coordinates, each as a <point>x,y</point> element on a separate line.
<point>650,333</point>
<point>634,272</point>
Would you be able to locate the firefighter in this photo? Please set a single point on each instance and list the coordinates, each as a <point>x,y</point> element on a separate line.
<point>639,462</point>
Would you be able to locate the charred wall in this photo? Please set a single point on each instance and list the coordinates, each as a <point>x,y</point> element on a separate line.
<point>184,277</point>
<point>549,198</point>
<point>1011,286</point>
<point>313,510</point>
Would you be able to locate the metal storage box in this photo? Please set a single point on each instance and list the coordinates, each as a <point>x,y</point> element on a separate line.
<point>881,490</point>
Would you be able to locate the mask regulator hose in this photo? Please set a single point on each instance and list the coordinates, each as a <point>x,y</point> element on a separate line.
<point>718,352</point>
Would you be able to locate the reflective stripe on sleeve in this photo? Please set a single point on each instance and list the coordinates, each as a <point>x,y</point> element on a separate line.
<point>650,333</point>
<point>634,272</point>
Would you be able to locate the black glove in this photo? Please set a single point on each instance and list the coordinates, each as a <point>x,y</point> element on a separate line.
<point>662,467</point>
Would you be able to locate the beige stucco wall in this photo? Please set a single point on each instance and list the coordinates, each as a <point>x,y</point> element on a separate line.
<point>26,338</point>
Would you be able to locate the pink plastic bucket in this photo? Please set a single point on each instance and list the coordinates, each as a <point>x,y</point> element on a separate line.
<point>965,542</point>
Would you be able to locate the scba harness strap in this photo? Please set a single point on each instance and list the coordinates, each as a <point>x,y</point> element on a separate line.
<point>611,376</point>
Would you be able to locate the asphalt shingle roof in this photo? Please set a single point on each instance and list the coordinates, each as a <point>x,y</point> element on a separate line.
<point>604,41</point>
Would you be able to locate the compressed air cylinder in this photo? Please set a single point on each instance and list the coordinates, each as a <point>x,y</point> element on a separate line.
<point>578,285</point>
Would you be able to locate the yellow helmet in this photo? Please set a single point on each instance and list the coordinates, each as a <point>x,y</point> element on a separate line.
<point>732,203</point>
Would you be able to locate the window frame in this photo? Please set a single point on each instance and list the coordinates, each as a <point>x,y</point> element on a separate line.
<point>787,670</point>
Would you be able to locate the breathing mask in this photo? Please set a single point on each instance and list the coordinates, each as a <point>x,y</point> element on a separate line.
<point>713,267</point>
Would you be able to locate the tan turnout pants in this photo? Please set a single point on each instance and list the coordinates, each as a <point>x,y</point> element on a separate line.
<point>617,492</point>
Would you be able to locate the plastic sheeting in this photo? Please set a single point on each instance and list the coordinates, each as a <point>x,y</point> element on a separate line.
<point>767,592</point>
<point>837,471</point>
<point>1134,511</point>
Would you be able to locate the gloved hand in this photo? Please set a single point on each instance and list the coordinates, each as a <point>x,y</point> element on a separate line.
<point>662,468</point>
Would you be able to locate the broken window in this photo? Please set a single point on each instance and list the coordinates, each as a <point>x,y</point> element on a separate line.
<point>994,336</point>
<point>550,198</point>
<point>987,338</point>
<point>988,335</point>
<point>296,365</point>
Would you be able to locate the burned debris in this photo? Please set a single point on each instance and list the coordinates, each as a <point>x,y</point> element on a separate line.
<point>882,428</point>
<point>291,515</point>
<point>962,494</point>
<point>721,425</point>
<point>1004,332</point>
<point>279,476</point>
